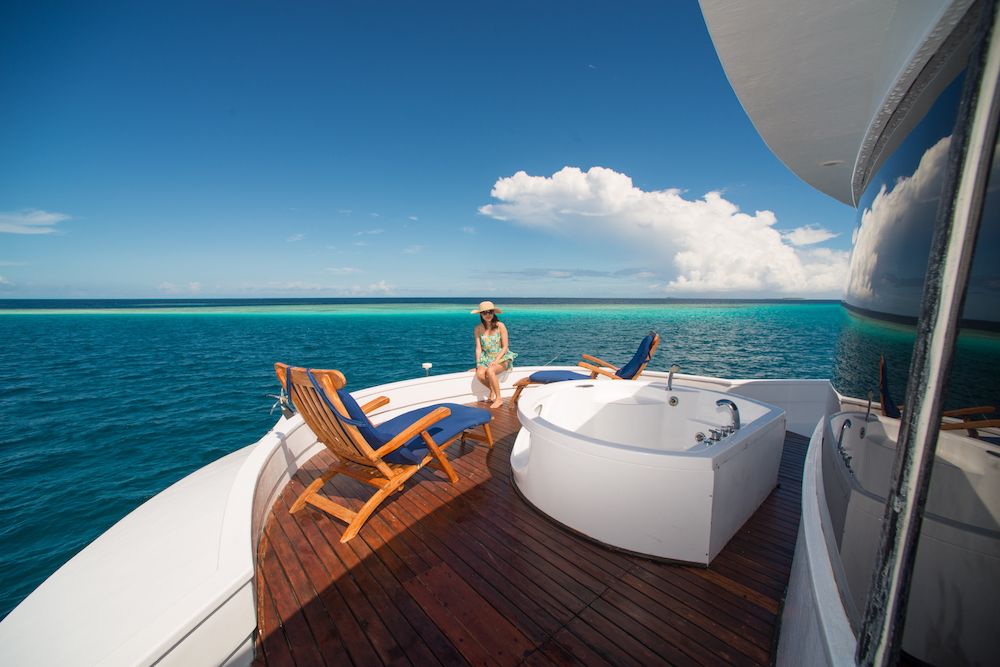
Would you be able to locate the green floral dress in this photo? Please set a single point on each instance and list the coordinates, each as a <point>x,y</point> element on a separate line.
<point>491,345</point>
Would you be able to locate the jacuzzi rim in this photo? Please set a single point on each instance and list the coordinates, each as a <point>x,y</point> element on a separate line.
<point>697,451</point>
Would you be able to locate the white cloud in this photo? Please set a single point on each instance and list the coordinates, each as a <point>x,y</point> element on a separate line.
<point>884,249</point>
<point>469,230</point>
<point>381,287</point>
<point>300,286</point>
<point>345,211</point>
<point>30,221</point>
<point>342,270</point>
<point>808,235</point>
<point>709,243</point>
<point>171,288</point>
<point>369,232</point>
<point>296,237</point>
<point>413,249</point>
<point>4,282</point>
<point>413,217</point>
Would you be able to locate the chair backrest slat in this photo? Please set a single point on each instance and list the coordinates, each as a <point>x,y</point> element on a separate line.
<point>343,440</point>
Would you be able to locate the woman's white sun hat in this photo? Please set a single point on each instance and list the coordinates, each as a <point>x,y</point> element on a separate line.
<point>486,305</point>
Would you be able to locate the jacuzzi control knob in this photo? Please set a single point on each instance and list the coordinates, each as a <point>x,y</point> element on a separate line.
<point>716,434</point>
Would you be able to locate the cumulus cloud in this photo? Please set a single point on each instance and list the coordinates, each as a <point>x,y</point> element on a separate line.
<point>891,245</point>
<point>296,237</point>
<point>30,221</point>
<point>708,244</point>
<point>808,235</point>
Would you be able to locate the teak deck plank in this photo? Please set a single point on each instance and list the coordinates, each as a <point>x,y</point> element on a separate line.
<point>471,574</point>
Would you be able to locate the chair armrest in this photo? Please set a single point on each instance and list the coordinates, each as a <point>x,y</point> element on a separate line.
<point>597,370</point>
<point>971,426</point>
<point>375,404</point>
<point>413,430</point>
<point>975,410</point>
<point>599,362</point>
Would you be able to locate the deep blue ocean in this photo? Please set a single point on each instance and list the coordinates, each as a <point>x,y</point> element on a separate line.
<point>103,404</point>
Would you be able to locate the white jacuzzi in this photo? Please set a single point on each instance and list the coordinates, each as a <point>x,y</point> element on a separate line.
<point>621,462</point>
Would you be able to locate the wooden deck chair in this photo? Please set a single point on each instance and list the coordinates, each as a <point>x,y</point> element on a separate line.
<point>971,418</point>
<point>382,456</point>
<point>631,370</point>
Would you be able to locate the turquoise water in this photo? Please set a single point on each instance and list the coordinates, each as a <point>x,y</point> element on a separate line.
<point>102,407</point>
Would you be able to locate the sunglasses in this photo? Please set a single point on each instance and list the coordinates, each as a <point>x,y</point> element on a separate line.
<point>486,312</point>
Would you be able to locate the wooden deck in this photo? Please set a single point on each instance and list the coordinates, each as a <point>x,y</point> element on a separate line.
<point>472,574</point>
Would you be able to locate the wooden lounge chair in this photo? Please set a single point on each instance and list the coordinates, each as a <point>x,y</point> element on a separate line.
<point>629,371</point>
<point>971,419</point>
<point>382,456</point>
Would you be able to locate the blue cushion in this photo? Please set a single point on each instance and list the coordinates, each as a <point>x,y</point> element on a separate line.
<point>354,411</point>
<point>545,377</point>
<point>641,356</point>
<point>462,417</point>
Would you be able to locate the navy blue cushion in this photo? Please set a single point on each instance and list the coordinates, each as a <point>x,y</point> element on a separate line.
<point>462,417</point>
<point>545,377</point>
<point>354,412</point>
<point>641,356</point>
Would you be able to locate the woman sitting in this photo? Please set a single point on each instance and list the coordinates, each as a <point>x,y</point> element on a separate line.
<point>492,352</point>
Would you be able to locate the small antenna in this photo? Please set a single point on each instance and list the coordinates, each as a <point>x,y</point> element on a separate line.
<point>427,368</point>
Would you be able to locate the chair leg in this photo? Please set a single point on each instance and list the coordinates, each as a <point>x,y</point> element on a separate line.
<point>368,509</point>
<point>489,434</point>
<point>520,384</point>
<point>311,490</point>
<point>439,455</point>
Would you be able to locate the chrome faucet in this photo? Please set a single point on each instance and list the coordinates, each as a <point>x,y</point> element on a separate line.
<point>843,427</point>
<point>735,410</point>
<point>670,377</point>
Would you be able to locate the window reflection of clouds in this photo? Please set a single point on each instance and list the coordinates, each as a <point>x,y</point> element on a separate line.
<point>893,241</point>
<point>896,220</point>
<point>896,217</point>
<point>897,212</point>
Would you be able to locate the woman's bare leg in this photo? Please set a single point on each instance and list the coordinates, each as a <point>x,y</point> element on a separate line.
<point>491,375</point>
<point>484,380</point>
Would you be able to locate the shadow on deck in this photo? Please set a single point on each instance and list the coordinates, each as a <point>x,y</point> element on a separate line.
<point>472,574</point>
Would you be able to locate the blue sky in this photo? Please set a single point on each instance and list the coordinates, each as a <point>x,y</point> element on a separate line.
<point>337,149</point>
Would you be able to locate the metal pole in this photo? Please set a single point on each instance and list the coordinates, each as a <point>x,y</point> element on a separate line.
<point>944,294</point>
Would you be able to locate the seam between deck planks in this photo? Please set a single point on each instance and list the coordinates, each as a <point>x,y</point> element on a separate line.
<point>548,596</point>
